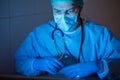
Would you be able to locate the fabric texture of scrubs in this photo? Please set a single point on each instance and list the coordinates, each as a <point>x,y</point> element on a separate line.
<point>98,44</point>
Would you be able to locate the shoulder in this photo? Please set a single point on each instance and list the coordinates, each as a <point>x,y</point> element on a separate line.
<point>45,26</point>
<point>95,31</point>
<point>96,28</point>
<point>42,30</point>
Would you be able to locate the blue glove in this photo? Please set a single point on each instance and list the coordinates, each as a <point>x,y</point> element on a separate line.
<point>47,64</point>
<point>81,70</point>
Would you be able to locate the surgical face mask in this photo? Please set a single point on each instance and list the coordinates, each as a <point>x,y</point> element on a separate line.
<point>66,22</point>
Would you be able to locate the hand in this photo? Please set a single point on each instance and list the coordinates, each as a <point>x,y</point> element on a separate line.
<point>48,64</point>
<point>80,70</point>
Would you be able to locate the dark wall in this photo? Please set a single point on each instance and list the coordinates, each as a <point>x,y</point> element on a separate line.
<point>19,17</point>
<point>106,12</point>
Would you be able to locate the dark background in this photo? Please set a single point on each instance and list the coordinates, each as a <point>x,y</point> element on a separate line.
<point>19,17</point>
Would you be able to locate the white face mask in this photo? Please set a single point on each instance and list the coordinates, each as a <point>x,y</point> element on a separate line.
<point>66,22</point>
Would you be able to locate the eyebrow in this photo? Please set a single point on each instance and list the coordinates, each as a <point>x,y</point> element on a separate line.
<point>70,9</point>
<point>67,10</point>
<point>55,9</point>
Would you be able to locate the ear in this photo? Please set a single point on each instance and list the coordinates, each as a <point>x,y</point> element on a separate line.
<point>80,9</point>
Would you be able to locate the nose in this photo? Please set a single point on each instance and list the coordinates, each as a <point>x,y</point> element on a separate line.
<point>64,12</point>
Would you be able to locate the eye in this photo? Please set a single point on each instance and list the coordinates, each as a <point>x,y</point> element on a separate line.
<point>55,11</point>
<point>70,11</point>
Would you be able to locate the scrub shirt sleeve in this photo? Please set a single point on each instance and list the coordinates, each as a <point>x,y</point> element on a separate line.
<point>110,57</point>
<point>25,56</point>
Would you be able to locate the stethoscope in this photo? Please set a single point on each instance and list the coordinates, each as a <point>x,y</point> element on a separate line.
<point>63,42</point>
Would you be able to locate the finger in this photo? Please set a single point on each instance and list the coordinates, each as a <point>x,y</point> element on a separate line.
<point>69,73</point>
<point>72,75</point>
<point>52,67</point>
<point>49,68</point>
<point>65,70</point>
<point>59,63</point>
<point>50,71</point>
<point>56,66</point>
<point>72,68</point>
<point>69,70</point>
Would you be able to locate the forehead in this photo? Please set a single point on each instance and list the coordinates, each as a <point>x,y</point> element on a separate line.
<point>64,5</point>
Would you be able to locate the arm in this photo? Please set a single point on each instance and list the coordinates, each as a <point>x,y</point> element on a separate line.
<point>32,57</point>
<point>101,67</point>
<point>25,56</point>
<point>111,55</point>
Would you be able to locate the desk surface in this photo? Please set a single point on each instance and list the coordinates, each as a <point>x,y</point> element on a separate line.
<point>19,77</point>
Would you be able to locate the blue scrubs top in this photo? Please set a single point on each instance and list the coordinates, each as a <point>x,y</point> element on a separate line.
<point>98,44</point>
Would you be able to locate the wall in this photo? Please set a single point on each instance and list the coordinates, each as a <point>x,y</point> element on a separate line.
<point>19,17</point>
<point>106,12</point>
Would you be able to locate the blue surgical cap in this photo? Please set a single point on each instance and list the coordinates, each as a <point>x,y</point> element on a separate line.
<point>78,2</point>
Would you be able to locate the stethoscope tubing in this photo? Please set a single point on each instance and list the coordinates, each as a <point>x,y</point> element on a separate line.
<point>56,28</point>
<point>82,39</point>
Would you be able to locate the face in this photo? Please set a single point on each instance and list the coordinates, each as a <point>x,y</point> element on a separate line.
<point>66,16</point>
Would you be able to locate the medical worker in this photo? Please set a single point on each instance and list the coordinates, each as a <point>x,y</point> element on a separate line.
<point>68,45</point>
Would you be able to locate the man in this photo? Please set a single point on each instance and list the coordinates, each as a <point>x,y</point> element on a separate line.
<point>68,45</point>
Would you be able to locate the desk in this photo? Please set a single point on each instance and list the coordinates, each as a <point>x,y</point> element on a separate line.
<point>19,77</point>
